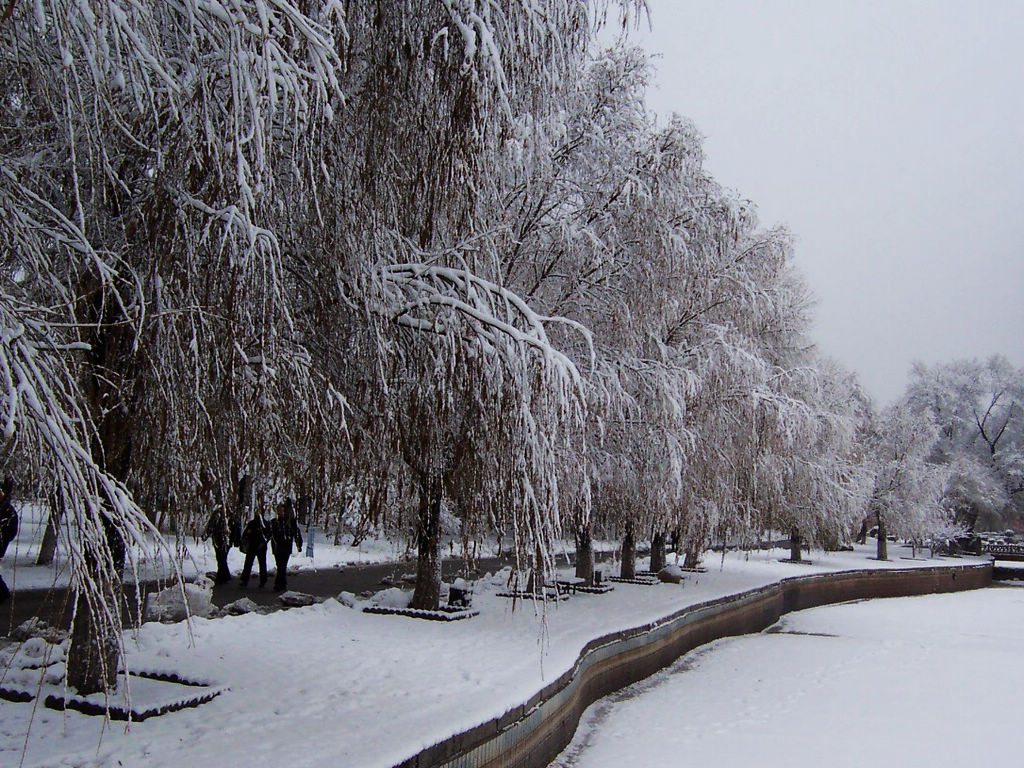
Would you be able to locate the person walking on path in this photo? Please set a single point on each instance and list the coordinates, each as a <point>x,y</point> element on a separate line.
<point>223,538</point>
<point>254,545</point>
<point>8,528</point>
<point>284,531</point>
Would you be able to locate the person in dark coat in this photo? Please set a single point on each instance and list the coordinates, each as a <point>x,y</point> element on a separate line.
<point>219,534</point>
<point>8,515</point>
<point>284,531</point>
<point>8,527</point>
<point>254,544</point>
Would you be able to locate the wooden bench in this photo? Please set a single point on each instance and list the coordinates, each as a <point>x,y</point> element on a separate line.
<point>569,586</point>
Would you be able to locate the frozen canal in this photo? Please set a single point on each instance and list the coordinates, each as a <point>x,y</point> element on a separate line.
<point>922,681</point>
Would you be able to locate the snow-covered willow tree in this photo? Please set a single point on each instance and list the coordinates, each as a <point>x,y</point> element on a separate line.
<point>822,484</point>
<point>806,478</point>
<point>702,386</point>
<point>227,225</point>
<point>464,378</point>
<point>375,252</point>
<point>598,239</point>
<point>721,324</point>
<point>979,409</point>
<point>907,489</point>
<point>772,447</point>
<point>148,151</point>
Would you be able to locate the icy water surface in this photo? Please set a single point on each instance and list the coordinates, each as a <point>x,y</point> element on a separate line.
<point>923,681</point>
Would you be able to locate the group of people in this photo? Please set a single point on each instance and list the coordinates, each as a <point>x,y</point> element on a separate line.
<point>281,533</point>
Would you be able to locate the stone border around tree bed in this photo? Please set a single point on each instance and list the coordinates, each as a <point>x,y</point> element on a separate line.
<point>640,581</point>
<point>204,691</point>
<point>418,613</point>
<point>532,735</point>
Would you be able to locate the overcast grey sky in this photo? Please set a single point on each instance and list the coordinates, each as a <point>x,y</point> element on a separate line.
<point>889,137</point>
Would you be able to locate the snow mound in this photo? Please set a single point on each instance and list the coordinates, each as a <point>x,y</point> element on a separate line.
<point>240,606</point>
<point>392,598</point>
<point>501,578</point>
<point>174,604</point>
<point>36,627</point>
<point>671,574</point>
<point>295,599</point>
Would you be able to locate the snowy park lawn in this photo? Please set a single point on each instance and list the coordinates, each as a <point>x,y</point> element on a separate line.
<point>921,681</point>
<point>328,684</point>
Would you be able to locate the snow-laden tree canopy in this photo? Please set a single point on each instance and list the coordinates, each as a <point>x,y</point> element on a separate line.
<point>907,492</point>
<point>979,409</point>
<point>411,261</point>
<point>208,206</point>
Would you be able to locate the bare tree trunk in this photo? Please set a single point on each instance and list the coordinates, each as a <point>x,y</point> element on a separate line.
<point>883,543</point>
<point>585,553</point>
<point>657,551</point>
<point>628,553</point>
<point>243,503</point>
<point>48,546</point>
<point>151,509</point>
<point>427,595</point>
<point>467,534</point>
<point>795,545</point>
<point>676,542</point>
<point>93,655</point>
<point>304,509</point>
<point>535,584</point>
<point>862,534</point>
<point>693,552</point>
<point>337,532</point>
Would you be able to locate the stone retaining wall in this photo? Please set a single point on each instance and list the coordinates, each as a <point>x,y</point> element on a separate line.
<point>531,735</point>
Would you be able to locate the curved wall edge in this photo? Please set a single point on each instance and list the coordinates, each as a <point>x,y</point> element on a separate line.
<point>532,735</point>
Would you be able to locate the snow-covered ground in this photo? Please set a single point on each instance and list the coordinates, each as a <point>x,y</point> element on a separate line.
<point>331,685</point>
<point>923,681</point>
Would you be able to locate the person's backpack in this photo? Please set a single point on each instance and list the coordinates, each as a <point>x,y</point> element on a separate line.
<point>255,533</point>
